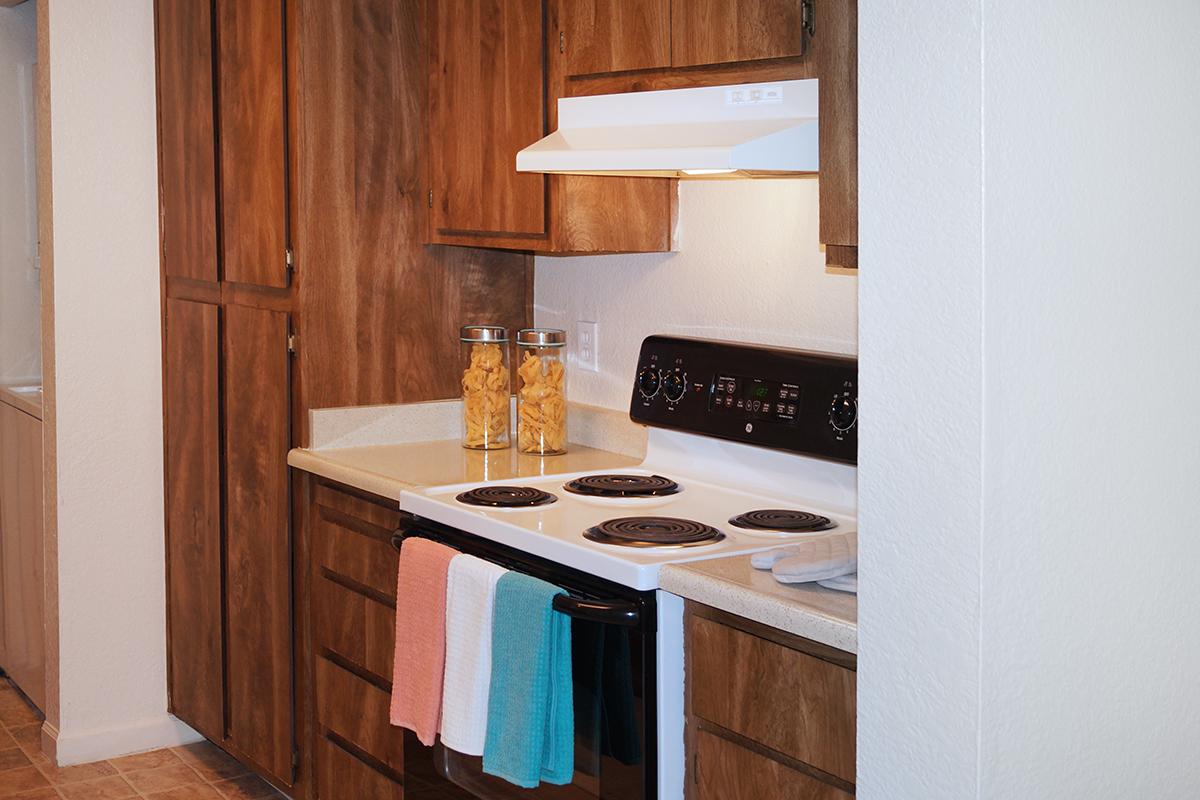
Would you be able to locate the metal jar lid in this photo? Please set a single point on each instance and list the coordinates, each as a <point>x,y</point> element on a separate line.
<point>541,337</point>
<point>483,333</point>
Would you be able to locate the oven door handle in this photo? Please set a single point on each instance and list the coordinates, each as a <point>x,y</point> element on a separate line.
<point>606,612</point>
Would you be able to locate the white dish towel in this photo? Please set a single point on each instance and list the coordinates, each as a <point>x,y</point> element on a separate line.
<point>821,559</point>
<point>470,596</point>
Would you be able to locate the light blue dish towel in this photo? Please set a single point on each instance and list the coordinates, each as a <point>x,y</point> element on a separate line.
<point>531,714</point>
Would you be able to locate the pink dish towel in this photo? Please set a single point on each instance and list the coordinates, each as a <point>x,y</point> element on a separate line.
<point>420,655</point>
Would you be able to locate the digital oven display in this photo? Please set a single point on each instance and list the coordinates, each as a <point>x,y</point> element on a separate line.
<point>756,398</point>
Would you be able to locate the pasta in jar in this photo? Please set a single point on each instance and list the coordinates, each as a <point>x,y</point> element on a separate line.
<point>485,394</point>
<point>541,394</point>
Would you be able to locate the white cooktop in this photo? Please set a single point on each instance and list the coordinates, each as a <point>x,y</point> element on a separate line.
<point>555,531</point>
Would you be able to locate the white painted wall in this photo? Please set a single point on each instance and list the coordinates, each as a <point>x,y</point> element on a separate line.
<point>20,326</point>
<point>1028,460</point>
<point>112,640</point>
<point>748,267</point>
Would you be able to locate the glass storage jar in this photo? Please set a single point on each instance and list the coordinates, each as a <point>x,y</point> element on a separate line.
<point>485,387</point>
<point>542,391</point>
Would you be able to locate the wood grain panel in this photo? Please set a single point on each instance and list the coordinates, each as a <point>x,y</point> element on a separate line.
<point>186,163</point>
<point>355,550</point>
<point>360,630</point>
<point>611,35</point>
<point>836,52</point>
<point>715,31</point>
<point>486,102</point>
<point>341,776</point>
<point>193,487</point>
<point>258,546</point>
<point>22,555</point>
<point>379,310</point>
<point>786,700</point>
<point>357,711</point>
<point>250,56</point>
<point>725,771</point>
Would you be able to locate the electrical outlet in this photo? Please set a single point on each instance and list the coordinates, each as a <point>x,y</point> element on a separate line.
<point>586,346</point>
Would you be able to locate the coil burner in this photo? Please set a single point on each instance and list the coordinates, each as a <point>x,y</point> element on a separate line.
<point>782,519</point>
<point>506,497</point>
<point>653,532</point>
<point>615,485</point>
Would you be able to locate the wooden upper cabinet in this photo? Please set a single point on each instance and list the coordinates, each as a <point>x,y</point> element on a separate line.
<point>721,31</point>
<point>613,35</point>
<point>491,92</point>
<point>187,169</point>
<point>835,46</point>
<point>250,65</point>
<point>486,102</point>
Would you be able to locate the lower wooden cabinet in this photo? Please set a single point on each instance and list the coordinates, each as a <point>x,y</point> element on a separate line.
<point>726,771</point>
<point>770,715</point>
<point>196,657</point>
<point>353,608</point>
<point>351,624</point>
<point>229,581</point>
<point>343,774</point>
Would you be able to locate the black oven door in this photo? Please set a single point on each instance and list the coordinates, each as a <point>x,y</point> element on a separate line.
<point>613,662</point>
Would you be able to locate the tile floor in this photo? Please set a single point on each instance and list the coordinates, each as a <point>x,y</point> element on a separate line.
<point>194,772</point>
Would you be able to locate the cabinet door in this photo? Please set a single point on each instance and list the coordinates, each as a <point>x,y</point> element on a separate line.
<point>836,51</point>
<point>187,168</point>
<point>258,538</point>
<point>613,35</point>
<point>486,102</point>
<point>21,547</point>
<point>720,31</point>
<point>250,61</point>
<point>193,452</point>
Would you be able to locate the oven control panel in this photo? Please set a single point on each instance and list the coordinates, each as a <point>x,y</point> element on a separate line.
<point>794,400</point>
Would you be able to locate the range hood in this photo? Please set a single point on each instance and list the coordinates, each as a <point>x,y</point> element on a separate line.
<point>748,130</point>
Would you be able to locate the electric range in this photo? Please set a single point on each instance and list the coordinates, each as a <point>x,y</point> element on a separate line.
<point>749,448</point>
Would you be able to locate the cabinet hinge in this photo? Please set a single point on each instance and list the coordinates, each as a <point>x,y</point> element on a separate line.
<point>289,259</point>
<point>295,764</point>
<point>562,41</point>
<point>696,768</point>
<point>431,198</point>
<point>291,343</point>
<point>808,17</point>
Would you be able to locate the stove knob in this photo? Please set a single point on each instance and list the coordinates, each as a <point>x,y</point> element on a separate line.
<point>674,385</point>
<point>648,382</point>
<point>843,413</point>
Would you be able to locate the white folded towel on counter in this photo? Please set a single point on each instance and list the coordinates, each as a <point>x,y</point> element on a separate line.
<point>470,595</point>
<point>819,559</point>
<point>846,583</point>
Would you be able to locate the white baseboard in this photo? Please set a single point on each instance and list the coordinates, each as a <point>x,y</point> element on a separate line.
<point>82,747</point>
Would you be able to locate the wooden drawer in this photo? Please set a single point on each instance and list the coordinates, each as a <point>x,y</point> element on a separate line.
<point>357,628</point>
<point>725,771</point>
<point>786,700</point>
<point>342,776</point>
<point>351,537</point>
<point>357,710</point>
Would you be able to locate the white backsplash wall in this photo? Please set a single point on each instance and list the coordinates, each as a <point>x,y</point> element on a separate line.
<point>749,267</point>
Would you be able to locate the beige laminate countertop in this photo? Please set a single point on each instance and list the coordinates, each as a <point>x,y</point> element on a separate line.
<point>387,470</point>
<point>733,585</point>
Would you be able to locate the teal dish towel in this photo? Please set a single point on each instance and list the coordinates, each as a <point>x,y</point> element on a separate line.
<point>531,715</point>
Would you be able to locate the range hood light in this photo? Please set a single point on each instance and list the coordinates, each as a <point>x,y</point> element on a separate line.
<point>744,131</point>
